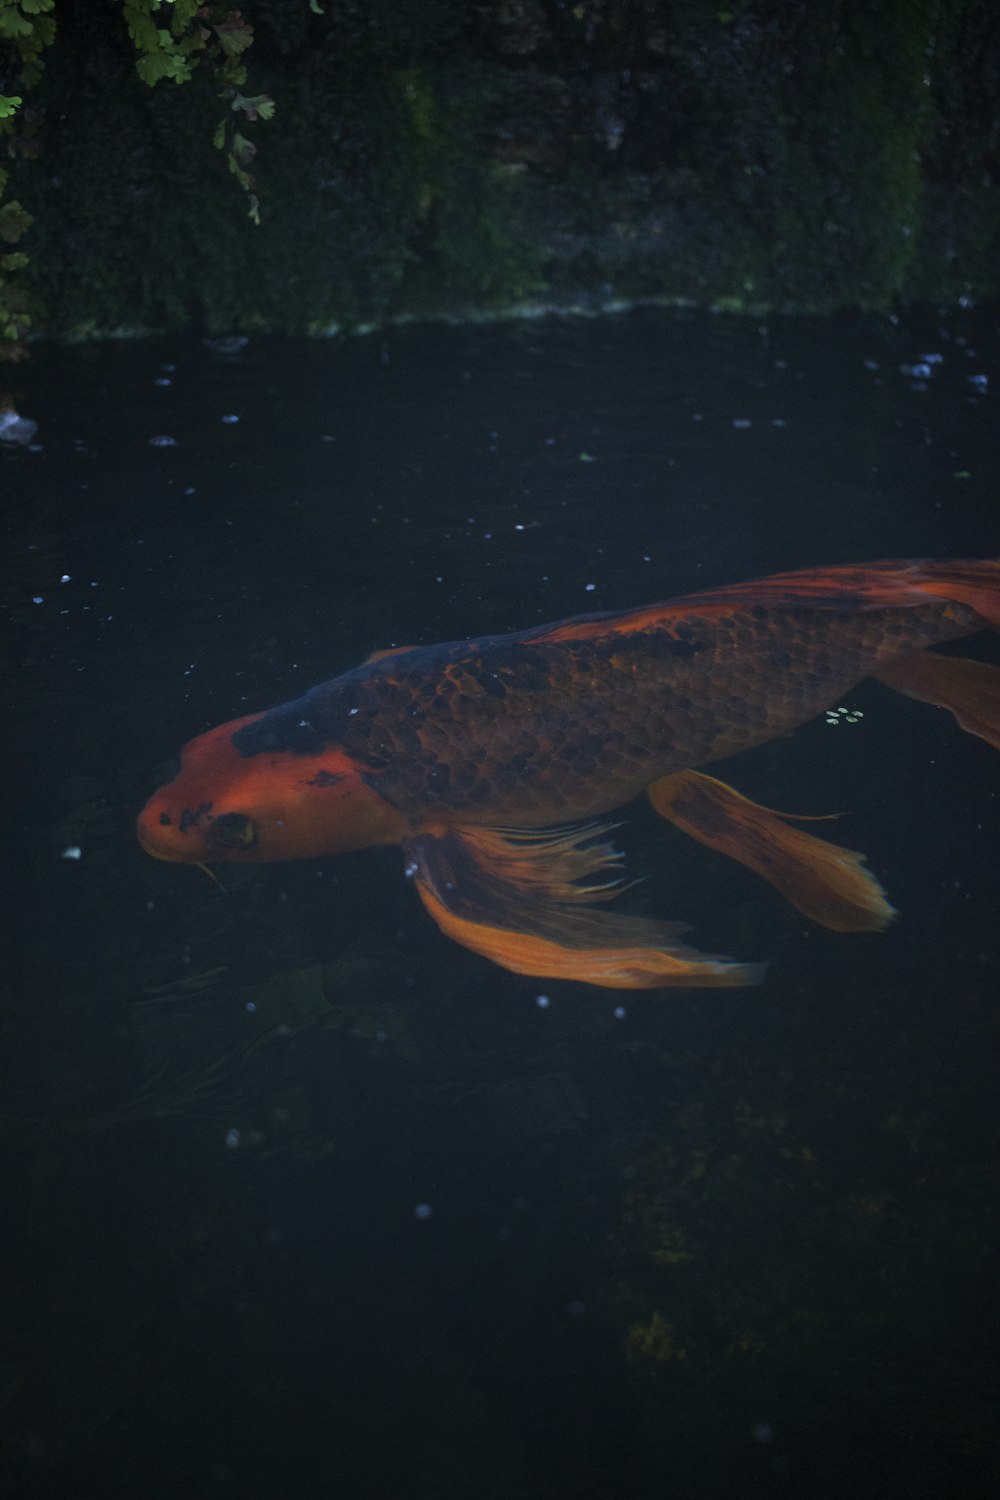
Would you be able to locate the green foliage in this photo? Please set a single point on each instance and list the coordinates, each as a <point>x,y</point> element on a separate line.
<point>174,52</point>
<point>171,37</point>
<point>26,29</point>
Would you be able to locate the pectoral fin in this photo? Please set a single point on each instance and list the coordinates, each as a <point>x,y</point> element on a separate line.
<point>512,897</point>
<point>968,689</point>
<point>827,883</point>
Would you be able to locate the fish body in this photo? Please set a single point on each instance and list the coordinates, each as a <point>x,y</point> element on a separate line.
<point>467,753</point>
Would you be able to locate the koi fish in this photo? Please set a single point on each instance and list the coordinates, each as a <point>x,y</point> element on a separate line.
<point>491,761</point>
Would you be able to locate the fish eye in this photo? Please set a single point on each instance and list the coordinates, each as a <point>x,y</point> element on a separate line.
<point>233,830</point>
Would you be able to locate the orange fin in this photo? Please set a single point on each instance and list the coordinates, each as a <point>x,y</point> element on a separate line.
<point>825,882</point>
<point>969,689</point>
<point>374,656</point>
<point>512,896</point>
<point>846,589</point>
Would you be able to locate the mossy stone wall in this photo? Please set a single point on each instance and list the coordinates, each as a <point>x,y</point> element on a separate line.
<point>450,157</point>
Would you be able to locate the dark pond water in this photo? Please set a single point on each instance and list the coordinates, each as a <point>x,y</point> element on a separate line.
<point>299,1197</point>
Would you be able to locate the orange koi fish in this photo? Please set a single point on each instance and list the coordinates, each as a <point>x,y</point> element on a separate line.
<point>481,758</point>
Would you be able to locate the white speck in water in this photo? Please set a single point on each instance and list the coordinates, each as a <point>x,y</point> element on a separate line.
<point>872,364</point>
<point>229,419</point>
<point>543,1002</point>
<point>38,599</point>
<point>619,1012</point>
<point>916,372</point>
<point>73,852</point>
<point>65,578</point>
<point>163,441</point>
<point>742,422</point>
<point>590,587</point>
<point>422,1211</point>
<point>351,711</point>
<point>250,1007</point>
<point>981,382</point>
<point>162,380</point>
<point>697,417</point>
<point>411,869</point>
<point>777,422</point>
<point>232,1139</point>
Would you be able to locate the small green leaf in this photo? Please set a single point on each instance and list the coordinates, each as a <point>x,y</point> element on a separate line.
<point>13,24</point>
<point>9,104</point>
<point>316,8</point>
<point>14,261</point>
<point>152,67</point>
<point>235,35</point>
<point>243,150</point>
<point>256,106</point>
<point>14,221</point>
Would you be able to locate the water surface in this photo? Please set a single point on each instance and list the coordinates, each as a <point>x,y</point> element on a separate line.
<point>299,1195</point>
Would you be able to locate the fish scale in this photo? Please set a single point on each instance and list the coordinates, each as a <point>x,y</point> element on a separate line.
<point>520,731</point>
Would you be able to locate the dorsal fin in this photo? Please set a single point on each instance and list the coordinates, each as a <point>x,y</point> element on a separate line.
<point>389,651</point>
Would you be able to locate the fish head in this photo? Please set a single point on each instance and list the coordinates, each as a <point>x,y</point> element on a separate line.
<point>227,805</point>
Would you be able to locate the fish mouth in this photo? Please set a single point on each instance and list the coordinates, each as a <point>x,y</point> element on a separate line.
<point>158,852</point>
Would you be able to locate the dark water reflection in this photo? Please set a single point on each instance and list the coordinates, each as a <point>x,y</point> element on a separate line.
<point>726,1244</point>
